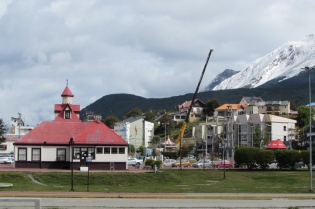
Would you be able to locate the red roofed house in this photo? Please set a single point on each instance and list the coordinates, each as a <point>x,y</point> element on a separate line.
<point>48,145</point>
<point>196,114</point>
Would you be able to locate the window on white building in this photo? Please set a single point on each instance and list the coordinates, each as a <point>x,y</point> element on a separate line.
<point>121,150</point>
<point>22,154</point>
<point>36,154</point>
<point>99,150</point>
<point>106,150</point>
<point>61,154</point>
<point>114,150</point>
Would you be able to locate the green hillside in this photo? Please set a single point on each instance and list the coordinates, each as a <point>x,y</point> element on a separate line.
<point>120,104</point>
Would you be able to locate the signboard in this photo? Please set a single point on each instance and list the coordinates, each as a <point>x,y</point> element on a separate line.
<point>88,159</point>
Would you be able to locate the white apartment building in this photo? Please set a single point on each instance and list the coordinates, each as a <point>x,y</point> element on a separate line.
<point>135,131</point>
<point>17,130</point>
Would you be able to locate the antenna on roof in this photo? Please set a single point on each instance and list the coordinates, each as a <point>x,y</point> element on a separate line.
<point>67,81</point>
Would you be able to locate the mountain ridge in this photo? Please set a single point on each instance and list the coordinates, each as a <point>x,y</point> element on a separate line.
<point>286,61</point>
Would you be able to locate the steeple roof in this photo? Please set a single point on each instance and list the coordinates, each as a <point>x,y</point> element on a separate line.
<point>67,92</point>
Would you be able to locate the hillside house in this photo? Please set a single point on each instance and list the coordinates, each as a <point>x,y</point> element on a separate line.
<point>56,144</point>
<point>197,112</point>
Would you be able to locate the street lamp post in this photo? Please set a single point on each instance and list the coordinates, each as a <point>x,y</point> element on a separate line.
<point>165,136</point>
<point>238,135</point>
<point>252,135</point>
<point>71,142</point>
<point>310,108</point>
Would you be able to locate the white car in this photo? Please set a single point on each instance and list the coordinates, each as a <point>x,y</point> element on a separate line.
<point>134,161</point>
<point>273,165</point>
<point>6,160</point>
<point>168,162</point>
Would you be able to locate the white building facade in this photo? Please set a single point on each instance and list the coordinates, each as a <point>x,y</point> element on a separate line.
<point>135,131</point>
<point>17,130</point>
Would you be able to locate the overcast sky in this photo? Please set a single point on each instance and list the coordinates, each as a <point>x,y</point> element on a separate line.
<point>153,49</point>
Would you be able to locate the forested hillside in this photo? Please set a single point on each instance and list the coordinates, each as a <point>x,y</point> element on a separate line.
<point>120,104</point>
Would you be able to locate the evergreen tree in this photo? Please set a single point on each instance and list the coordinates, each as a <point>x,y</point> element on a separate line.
<point>133,113</point>
<point>110,121</point>
<point>3,130</point>
<point>211,105</point>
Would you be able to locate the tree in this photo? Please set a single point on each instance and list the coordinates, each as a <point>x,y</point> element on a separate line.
<point>257,136</point>
<point>110,121</point>
<point>150,115</point>
<point>303,117</point>
<point>133,113</point>
<point>211,105</point>
<point>3,130</point>
<point>293,106</point>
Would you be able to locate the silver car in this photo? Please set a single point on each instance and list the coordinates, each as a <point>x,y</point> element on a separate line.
<point>6,160</point>
<point>168,162</point>
<point>202,163</point>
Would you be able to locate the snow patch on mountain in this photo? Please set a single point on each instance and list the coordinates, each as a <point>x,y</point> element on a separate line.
<point>286,61</point>
<point>219,78</point>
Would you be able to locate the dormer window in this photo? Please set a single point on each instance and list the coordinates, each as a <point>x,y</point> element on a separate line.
<point>67,114</point>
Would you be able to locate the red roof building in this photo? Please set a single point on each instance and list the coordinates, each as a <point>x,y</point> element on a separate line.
<point>48,145</point>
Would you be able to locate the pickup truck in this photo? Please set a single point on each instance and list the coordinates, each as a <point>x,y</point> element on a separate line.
<point>134,161</point>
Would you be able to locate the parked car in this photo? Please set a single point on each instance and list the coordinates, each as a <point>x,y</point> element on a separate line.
<point>299,165</point>
<point>191,157</point>
<point>273,165</point>
<point>6,160</point>
<point>168,162</point>
<point>134,161</point>
<point>223,163</point>
<point>185,163</point>
<point>202,163</point>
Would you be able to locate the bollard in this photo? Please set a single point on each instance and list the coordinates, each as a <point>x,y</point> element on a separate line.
<point>155,168</point>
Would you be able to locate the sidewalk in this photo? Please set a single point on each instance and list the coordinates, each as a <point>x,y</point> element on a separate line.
<point>228,196</point>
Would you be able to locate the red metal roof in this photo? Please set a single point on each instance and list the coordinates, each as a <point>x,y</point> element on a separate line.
<point>60,107</point>
<point>67,92</point>
<point>188,103</point>
<point>56,132</point>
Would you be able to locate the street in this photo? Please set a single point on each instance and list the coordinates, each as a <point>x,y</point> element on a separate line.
<point>119,203</point>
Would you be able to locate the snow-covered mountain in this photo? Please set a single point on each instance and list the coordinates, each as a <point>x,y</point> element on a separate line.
<point>219,78</point>
<point>285,62</point>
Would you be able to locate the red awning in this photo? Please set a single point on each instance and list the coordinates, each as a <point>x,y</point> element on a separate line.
<point>276,144</point>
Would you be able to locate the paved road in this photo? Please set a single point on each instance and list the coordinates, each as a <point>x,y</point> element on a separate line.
<point>119,203</point>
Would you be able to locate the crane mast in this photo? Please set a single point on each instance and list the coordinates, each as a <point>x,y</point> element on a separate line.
<point>181,134</point>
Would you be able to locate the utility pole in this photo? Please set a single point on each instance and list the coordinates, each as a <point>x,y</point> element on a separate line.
<point>19,119</point>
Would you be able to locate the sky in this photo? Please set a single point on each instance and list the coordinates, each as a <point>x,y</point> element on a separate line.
<point>153,49</point>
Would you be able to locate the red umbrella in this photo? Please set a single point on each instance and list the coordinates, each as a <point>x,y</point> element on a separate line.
<point>276,144</point>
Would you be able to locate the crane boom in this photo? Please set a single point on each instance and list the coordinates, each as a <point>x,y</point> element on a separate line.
<point>181,134</point>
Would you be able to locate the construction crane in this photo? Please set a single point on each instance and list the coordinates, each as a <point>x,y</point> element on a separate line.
<point>183,128</point>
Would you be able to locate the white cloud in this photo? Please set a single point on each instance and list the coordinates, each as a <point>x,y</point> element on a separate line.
<point>146,48</point>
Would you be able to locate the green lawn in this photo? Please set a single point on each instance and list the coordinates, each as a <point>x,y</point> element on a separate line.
<point>168,181</point>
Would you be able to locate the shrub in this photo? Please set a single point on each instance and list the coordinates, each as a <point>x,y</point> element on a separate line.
<point>246,156</point>
<point>171,155</point>
<point>158,163</point>
<point>264,157</point>
<point>287,157</point>
<point>149,162</point>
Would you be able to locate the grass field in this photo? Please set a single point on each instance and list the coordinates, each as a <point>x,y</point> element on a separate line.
<point>168,181</point>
